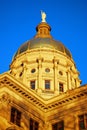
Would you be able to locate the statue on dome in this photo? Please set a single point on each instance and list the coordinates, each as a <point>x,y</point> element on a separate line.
<point>43,16</point>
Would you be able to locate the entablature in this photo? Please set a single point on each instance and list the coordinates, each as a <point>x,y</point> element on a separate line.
<point>35,99</point>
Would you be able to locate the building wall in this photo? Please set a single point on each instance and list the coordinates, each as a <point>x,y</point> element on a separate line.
<point>25,108</point>
<point>67,108</point>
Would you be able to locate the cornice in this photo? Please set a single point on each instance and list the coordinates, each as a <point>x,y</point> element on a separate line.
<point>44,105</point>
<point>39,50</point>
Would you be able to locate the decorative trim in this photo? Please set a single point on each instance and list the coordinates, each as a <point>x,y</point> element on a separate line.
<point>5,98</point>
<point>67,97</point>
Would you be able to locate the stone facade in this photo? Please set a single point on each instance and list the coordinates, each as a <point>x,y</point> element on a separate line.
<point>42,90</point>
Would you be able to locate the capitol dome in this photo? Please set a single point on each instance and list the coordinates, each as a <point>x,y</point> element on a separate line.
<point>43,39</point>
<point>42,91</point>
<point>44,65</point>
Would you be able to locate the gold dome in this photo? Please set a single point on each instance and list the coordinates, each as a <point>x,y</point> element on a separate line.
<point>43,39</point>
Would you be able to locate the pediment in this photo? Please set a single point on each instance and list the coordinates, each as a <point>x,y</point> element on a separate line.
<point>35,99</point>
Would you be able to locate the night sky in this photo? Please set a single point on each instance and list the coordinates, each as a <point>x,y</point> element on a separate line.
<point>67,18</point>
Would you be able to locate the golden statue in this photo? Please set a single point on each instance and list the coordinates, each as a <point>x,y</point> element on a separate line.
<point>43,16</point>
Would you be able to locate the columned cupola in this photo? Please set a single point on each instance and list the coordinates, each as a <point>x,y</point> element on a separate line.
<point>43,30</point>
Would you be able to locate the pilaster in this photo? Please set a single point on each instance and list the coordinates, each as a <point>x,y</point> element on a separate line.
<point>68,80</point>
<point>39,86</point>
<point>55,75</point>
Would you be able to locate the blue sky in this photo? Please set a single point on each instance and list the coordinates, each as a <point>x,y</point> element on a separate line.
<point>67,18</point>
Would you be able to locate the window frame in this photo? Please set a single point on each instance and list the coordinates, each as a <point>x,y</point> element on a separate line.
<point>82,121</point>
<point>15,116</point>
<point>32,84</point>
<point>47,84</point>
<point>34,125</point>
<point>61,87</point>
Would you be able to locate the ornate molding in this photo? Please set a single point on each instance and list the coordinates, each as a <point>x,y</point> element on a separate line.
<point>60,100</point>
<point>5,98</point>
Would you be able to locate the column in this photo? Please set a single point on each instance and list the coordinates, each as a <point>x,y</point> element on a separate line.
<point>39,86</point>
<point>24,70</point>
<point>47,126</point>
<point>55,75</point>
<point>68,80</point>
<point>77,82</point>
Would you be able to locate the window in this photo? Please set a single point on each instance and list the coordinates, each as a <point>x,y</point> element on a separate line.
<point>22,64</point>
<point>47,70</point>
<point>83,122</point>
<point>47,84</point>
<point>33,71</point>
<point>31,124</point>
<point>61,88</point>
<point>15,116</point>
<point>58,126</point>
<point>34,125</point>
<point>44,31</point>
<point>20,74</point>
<point>40,31</point>
<point>60,72</point>
<point>32,84</point>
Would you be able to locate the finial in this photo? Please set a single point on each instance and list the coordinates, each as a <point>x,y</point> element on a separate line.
<point>43,16</point>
